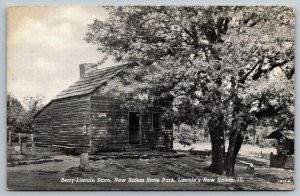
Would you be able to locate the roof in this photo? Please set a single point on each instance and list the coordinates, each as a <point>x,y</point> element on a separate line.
<point>281,133</point>
<point>90,82</point>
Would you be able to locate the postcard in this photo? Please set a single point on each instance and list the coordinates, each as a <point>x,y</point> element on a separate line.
<point>150,98</point>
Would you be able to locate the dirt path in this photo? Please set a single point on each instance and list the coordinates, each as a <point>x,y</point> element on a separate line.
<point>67,163</point>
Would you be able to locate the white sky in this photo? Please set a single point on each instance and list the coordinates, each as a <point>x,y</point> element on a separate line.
<point>46,46</point>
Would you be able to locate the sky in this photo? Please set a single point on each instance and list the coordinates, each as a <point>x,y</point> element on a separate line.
<point>45,47</point>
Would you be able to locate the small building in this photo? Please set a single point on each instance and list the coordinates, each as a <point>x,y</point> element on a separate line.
<point>81,117</point>
<point>285,149</point>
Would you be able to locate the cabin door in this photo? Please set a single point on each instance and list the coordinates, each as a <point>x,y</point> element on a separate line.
<point>134,128</point>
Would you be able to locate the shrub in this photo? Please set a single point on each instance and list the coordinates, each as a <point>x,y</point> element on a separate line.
<point>187,134</point>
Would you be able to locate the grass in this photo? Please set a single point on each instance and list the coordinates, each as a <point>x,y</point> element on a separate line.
<point>246,149</point>
<point>29,154</point>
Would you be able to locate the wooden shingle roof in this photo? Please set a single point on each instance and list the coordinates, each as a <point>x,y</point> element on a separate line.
<point>90,82</point>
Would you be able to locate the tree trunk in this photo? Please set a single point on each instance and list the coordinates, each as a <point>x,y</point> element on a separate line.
<point>218,155</point>
<point>218,147</point>
<point>235,143</point>
<point>84,162</point>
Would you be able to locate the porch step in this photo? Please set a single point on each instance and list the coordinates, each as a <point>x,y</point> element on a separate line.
<point>136,147</point>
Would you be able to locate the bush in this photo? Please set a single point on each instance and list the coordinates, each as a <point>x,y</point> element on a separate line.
<point>188,134</point>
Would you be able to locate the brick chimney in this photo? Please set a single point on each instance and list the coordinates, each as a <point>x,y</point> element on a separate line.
<point>86,68</point>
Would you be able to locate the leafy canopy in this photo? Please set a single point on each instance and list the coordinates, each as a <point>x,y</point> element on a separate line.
<point>202,61</point>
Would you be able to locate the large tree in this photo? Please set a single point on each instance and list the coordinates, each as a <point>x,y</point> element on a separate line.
<point>206,65</point>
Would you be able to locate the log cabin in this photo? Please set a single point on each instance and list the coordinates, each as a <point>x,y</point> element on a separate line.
<point>82,118</point>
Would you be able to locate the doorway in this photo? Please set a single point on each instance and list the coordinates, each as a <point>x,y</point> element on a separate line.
<point>134,128</point>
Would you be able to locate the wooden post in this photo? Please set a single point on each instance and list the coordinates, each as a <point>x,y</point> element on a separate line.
<point>90,138</point>
<point>84,162</point>
<point>32,140</point>
<point>20,142</point>
<point>9,138</point>
<point>20,138</point>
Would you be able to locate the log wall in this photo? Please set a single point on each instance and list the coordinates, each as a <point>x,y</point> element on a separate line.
<point>109,126</point>
<point>71,122</point>
<point>43,127</point>
<point>95,121</point>
<point>153,137</point>
<point>66,123</point>
<point>109,123</point>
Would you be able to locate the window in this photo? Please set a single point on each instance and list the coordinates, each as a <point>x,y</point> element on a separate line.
<point>156,120</point>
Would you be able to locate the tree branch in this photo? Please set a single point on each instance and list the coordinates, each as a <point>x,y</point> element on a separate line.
<point>249,72</point>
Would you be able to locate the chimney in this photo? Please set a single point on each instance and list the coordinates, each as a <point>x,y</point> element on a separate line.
<point>86,68</point>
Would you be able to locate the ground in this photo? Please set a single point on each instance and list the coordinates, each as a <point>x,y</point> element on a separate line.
<point>55,171</point>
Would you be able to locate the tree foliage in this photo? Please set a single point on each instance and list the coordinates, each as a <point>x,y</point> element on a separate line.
<point>32,106</point>
<point>217,63</point>
<point>15,111</point>
<point>19,117</point>
<point>186,134</point>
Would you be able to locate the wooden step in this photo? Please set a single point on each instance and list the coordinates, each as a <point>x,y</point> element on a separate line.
<point>136,147</point>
